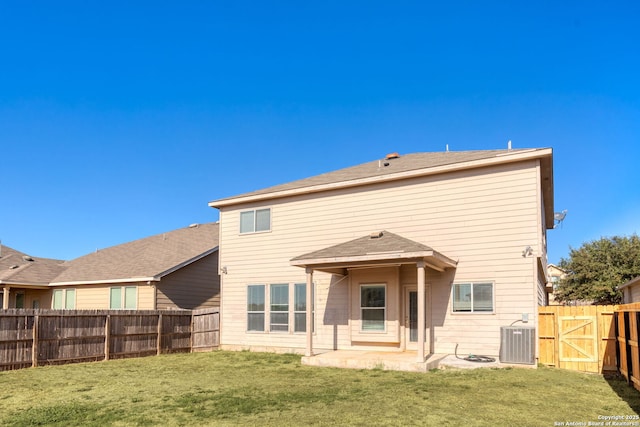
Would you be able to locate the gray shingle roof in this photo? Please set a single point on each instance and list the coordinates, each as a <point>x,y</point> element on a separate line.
<point>144,258</point>
<point>385,242</point>
<point>20,268</point>
<point>404,163</point>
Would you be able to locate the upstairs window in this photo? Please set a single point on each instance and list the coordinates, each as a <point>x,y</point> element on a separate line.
<point>255,221</point>
<point>473,297</point>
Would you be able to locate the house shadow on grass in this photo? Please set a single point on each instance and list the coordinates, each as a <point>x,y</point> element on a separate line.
<point>625,391</point>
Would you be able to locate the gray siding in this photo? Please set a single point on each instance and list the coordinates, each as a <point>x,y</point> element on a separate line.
<point>194,286</point>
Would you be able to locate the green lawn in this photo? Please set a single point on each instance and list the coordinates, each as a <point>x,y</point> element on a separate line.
<point>241,388</point>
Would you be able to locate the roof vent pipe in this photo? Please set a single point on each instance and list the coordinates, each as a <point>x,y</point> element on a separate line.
<point>509,145</point>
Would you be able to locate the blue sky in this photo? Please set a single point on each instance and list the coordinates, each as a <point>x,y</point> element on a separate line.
<point>119,120</point>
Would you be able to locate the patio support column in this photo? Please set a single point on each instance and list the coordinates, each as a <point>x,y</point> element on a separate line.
<point>309,306</point>
<point>421,310</point>
<point>5,298</point>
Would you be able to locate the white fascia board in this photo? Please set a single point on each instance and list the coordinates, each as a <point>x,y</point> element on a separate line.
<point>187,262</point>
<point>499,159</point>
<point>23,285</point>
<point>630,283</point>
<point>102,282</point>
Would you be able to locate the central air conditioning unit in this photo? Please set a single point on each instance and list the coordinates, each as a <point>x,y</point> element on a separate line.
<point>518,344</point>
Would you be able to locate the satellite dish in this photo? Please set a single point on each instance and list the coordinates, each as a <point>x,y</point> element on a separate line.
<point>558,217</point>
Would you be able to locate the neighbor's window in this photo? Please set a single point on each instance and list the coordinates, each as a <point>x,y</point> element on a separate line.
<point>255,308</point>
<point>300,307</point>
<point>124,297</point>
<point>64,299</point>
<point>279,308</point>
<point>256,220</point>
<point>372,307</point>
<point>473,297</point>
<point>20,300</point>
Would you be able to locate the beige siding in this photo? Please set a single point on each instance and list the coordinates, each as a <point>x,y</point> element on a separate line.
<point>41,298</point>
<point>96,297</point>
<point>484,218</point>
<point>194,286</point>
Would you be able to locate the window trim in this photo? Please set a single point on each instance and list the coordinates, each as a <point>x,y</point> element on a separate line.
<point>63,299</point>
<point>313,307</point>
<point>472,305</point>
<point>385,308</point>
<point>255,221</point>
<point>287,311</point>
<point>263,311</point>
<point>291,309</point>
<point>123,297</point>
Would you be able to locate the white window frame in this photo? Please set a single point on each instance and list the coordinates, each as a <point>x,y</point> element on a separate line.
<point>254,227</point>
<point>473,309</point>
<point>63,299</point>
<point>304,312</point>
<point>285,313</point>
<point>123,297</point>
<point>263,311</point>
<point>291,312</point>
<point>363,308</point>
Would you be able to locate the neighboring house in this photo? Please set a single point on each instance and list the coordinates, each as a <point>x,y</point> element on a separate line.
<point>173,270</point>
<point>631,291</point>
<point>24,280</point>
<point>453,241</point>
<point>555,274</point>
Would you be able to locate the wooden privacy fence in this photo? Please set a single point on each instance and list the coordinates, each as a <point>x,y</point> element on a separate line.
<point>627,322</point>
<point>43,337</point>
<point>580,338</point>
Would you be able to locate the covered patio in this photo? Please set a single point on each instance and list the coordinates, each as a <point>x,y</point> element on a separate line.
<point>378,250</point>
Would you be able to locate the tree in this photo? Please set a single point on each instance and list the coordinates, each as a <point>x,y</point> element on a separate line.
<point>597,268</point>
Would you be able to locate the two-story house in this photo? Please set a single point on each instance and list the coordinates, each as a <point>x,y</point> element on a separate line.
<point>414,254</point>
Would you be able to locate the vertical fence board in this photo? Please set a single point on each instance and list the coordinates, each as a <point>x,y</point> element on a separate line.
<point>580,338</point>
<point>32,337</point>
<point>628,325</point>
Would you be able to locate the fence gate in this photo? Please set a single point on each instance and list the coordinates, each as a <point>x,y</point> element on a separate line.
<point>578,341</point>
<point>580,338</point>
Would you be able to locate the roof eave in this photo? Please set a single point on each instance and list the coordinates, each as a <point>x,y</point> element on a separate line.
<point>154,278</point>
<point>35,285</point>
<point>630,283</point>
<point>498,159</point>
<point>432,259</point>
<point>106,281</point>
<point>187,262</point>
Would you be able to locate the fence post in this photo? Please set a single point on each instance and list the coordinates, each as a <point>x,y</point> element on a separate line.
<point>107,338</point>
<point>617,328</point>
<point>627,345</point>
<point>34,347</point>
<point>191,331</point>
<point>159,345</point>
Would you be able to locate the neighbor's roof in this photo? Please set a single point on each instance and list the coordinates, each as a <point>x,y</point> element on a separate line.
<point>19,268</point>
<point>403,166</point>
<point>376,248</point>
<point>145,259</point>
<point>631,282</point>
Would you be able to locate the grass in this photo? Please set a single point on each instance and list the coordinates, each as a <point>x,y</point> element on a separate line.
<point>241,388</point>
